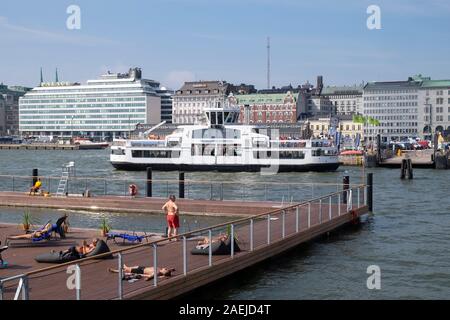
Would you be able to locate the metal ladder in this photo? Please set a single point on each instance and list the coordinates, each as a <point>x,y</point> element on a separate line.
<point>67,171</point>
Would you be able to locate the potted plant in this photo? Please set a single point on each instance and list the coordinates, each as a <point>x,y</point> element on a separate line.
<point>27,221</point>
<point>104,227</point>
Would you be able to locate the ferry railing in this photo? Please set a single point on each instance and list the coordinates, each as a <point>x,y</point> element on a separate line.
<point>285,192</point>
<point>252,233</point>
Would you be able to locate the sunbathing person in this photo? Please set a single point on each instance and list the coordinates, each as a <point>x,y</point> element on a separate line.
<point>205,240</point>
<point>34,235</point>
<point>82,250</point>
<point>146,272</point>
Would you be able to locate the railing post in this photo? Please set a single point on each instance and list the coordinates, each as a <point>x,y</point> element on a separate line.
<point>320,210</point>
<point>339,204</point>
<point>25,293</point>
<point>184,256</point>
<point>155,265</point>
<point>211,192</point>
<point>268,229</point>
<point>329,208</point>
<point>13,184</point>
<point>210,248</point>
<point>251,234</point>
<point>359,193</point>
<point>283,227</point>
<point>78,281</point>
<point>106,190</point>
<point>221,191</point>
<point>296,219</point>
<point>1,291</point>
<point>309,215</point>
<point>120,276</point>
<point>232,240</point>
<point>265,192</point>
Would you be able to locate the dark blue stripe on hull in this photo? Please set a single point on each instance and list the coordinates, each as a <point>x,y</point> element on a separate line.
<point>224,168</point>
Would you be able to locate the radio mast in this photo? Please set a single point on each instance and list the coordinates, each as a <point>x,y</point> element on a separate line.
<point>268,62</point>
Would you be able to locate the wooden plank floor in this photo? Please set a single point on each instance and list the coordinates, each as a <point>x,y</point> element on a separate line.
<point>98,283</point>
<point>140,205</point>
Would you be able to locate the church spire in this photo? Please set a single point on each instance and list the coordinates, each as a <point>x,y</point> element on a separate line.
<point>56,75</point>
<point>42,78</point>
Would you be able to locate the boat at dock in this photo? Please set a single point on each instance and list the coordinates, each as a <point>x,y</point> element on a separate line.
<point>221,144</point>
<point>87,144</point>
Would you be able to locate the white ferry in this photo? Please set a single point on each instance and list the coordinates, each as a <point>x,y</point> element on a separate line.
<point>223,145</point>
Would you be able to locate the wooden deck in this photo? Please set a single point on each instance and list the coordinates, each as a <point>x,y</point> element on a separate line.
<point>98,283</point>
<point>138,205</point>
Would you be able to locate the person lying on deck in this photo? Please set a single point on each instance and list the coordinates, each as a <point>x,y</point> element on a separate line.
<point>82,250</point>
<point>34,235</point>
<point>146,272</point>
<point>205,240</point>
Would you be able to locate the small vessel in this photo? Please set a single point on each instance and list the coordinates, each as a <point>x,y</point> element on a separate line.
<point>86,143</point>
<point>221,144</point>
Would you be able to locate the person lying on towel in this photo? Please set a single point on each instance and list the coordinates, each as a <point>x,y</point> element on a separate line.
<point>145,272</point>
<point>205,240</point>
<point>34,235</point>
<point>80,251</point>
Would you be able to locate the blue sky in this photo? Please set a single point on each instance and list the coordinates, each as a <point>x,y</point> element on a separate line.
<point>175,40</point>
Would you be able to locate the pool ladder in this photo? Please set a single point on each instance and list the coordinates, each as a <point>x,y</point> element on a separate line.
<point>67,171</point>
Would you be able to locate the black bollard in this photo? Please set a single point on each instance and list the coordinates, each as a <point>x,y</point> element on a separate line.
<point>35,176</point>
<point>181,185</point>
<point>410,169</point>
<point>370,191</point>
<point>346,182</point>
<point>149,182</point>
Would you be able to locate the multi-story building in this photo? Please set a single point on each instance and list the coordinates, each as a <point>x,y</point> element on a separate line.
<point>346,100</point>
<point>10,96</point>
<point>320,126</point>
<point>166,103</point>
<point>108,107</point>
<point>395,104</point>
<point>193,97</point>
<point>2,117</point>
<point>266,108</point>
<point>434,107</point>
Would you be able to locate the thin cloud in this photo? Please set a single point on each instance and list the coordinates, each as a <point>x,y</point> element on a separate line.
<point>44,35</point>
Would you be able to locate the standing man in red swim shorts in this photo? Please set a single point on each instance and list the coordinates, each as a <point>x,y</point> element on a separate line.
<point>173,221</point>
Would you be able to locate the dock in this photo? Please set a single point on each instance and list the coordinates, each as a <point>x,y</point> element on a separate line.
<point>125,204</point>
<point>40,146</point>
<point>259,236</point>
<point>419,159</point>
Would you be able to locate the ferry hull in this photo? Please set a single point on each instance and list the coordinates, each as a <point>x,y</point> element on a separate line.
<point>316,167</point>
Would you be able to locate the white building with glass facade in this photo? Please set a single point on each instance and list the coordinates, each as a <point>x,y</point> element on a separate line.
<point>105,108</point>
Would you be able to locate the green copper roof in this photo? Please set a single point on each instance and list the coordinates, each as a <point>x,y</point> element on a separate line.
<point>436,84</point>
<point>357,89</point>
<point>263,98</point>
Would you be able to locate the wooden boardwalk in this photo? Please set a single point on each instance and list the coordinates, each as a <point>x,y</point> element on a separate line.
<point>313,220</point>
<point>139,205</point>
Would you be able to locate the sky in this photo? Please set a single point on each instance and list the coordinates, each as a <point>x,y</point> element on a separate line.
<point>183,40</point>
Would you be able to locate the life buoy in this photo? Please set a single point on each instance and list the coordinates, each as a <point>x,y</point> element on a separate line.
<point>133,190</point>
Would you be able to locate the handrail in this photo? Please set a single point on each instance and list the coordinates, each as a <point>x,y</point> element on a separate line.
<point>178,181</point>
<point>221,225</point>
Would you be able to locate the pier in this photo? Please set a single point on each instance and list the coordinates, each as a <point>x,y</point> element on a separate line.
<point>259,236</point>
<point>44,146</point>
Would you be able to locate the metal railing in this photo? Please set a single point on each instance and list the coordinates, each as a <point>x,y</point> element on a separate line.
<point>295,219</point>
<point>194,189</point>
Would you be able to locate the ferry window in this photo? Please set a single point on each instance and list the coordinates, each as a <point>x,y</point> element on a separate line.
<point>220,119</point>
<point>118,152</point>
<point>213,118</point>
<point>136,153</point>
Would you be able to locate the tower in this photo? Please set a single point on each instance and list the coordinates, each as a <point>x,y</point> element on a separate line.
<point>268,62</point>
<point>56,75</point>
<point>42,78</point>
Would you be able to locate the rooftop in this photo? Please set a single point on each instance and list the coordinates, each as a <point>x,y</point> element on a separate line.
<point>260,98</point>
